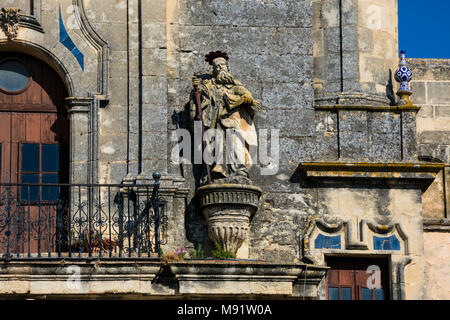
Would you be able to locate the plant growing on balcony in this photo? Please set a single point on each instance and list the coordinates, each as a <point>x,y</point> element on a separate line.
<point>96,242</point>
<point>220,253</point>
<point>198,253</point>
<point>180,252</point>
<point>178,255</point>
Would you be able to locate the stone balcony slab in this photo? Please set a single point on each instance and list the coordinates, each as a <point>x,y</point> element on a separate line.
<point>153,279</point>
<point>247,278</point>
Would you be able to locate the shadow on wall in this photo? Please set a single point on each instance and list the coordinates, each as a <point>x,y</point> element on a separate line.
<point>195,224</point>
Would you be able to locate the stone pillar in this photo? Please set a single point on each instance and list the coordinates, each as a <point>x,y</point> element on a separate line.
<point>80,197</point>
<point>355,47</point>
<point>173,194</point>
<point>355,58</point>
<point>79,113</point>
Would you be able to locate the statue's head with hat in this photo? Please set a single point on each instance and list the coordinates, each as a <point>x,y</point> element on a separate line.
<point>210,57</point>
<point>221,70</point>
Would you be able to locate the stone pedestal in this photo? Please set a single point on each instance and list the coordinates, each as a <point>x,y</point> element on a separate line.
<point>228,209</point>
<point>172,193</point>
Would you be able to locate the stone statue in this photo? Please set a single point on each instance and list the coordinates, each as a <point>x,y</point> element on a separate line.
<point>229,200</point>
<point>226,104</point>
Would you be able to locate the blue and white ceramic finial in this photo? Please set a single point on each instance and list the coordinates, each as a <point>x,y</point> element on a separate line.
<point>403,74</point>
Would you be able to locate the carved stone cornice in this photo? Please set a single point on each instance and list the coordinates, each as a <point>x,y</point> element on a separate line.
<point>418,172</point>
<point>223,194</point>
<point>337,107</point>
<point>171,186</point>
<point>30,22</point>
<point>351,98</point>
<point>436,225</point>
<point>79,104</point>
<point>9,21</point>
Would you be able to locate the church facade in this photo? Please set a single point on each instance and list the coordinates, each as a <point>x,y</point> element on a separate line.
<point>342,191</point>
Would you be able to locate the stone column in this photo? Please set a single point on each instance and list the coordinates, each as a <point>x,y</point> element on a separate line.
<point>80,197</point>
<point>355,46</point>
<point>355,58</point>
<point>79,113</point>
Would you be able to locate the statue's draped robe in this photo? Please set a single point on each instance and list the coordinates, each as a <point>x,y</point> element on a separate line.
<point>223,108</point>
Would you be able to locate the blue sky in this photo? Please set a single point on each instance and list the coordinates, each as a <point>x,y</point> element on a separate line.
<point>424,28</point>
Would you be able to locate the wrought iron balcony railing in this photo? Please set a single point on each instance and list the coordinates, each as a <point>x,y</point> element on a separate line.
<point>81,220</point>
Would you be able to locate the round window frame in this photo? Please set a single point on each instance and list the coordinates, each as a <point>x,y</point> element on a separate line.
<point>30,78</point>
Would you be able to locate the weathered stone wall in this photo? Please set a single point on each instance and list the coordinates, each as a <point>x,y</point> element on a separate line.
<point>355,52</point>
<point>437,255</point>
<point>431,92</point>
<point>281,51</point>
<point>23,5</point>
<point>271,52</point>
<point>431,87</point>
<point>117,22</point>
<point>384,207</point>
<point>270,49</point>
<point>355,46</point>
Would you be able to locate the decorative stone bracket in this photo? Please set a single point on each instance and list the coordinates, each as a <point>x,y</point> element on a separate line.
<point>9,21</point>
<point>228,209</point>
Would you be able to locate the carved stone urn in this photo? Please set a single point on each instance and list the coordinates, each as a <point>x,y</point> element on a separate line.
<point>228,209</point>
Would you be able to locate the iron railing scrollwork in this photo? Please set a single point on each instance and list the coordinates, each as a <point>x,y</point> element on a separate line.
<point>81,220</point>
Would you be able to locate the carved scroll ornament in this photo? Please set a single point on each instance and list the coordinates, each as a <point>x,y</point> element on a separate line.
<point>9,21</point>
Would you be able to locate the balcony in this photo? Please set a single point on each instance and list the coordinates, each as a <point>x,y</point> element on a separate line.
<point>81,221</point>
<point>105,240</point>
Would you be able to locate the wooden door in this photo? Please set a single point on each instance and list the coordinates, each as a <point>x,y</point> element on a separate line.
<point>34,144</point>
<point>357,279</point>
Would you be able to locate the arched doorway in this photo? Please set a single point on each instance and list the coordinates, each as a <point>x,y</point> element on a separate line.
<point>34,146</point>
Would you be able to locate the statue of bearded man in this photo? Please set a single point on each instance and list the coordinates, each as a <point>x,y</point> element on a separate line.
<point>226,105</point>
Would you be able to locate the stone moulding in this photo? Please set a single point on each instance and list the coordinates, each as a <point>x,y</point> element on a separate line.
<point>395,171</point>
<point>30,22</point>
<point>170,186</point>
<point>246,278</point>
<point>48,277</point>
<point>80,104</point>
<point>351,98</point>
<point>375,167</point>
<point>436,225</point>
<point>228,209</point>
<point>153,279</point>
<point>334,108</point>
<point>229,194</point>
<point>361,243</point>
